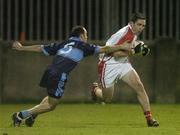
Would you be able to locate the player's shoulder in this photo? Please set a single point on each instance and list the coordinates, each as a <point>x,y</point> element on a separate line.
<point>123,30</point>
<point>119,34</point>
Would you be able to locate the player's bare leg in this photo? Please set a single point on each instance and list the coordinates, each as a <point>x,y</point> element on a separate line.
<point>96,92</point>
<point>30,120</point>
<point>133,80</point>
<point>108,94</point>
<point>105,95</point>
<point>47,104</point>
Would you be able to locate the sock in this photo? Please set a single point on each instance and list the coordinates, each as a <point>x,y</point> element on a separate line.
<point>148,115</point>
<point>24,114</point>
<point>34,116</point>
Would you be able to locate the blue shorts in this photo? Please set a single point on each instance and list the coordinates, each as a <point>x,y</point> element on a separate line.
<point>54,83</point>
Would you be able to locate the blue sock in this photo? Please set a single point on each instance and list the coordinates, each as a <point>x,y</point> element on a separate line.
<point>24,114</point>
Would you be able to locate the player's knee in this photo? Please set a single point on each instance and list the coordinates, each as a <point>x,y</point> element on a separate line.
<point>52,103</point>
<point>51,107</point>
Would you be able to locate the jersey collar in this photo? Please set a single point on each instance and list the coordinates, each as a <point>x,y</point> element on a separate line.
<point>130,27</point>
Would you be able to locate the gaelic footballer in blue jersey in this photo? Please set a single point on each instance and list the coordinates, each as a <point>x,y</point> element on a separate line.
<point>67,55</point>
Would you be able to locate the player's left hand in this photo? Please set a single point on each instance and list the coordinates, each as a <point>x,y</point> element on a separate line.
<point>17,45</point>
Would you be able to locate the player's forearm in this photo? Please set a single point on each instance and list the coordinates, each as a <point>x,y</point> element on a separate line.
<point>120,54</point>
<point>111,49</point>
<point>32,48</point>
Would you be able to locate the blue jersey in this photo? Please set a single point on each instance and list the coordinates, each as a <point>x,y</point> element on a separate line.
<point>69,53</point>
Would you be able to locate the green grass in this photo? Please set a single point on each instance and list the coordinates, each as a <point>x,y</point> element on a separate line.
<point>94,119</point>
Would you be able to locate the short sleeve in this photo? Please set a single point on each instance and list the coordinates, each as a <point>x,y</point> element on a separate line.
<point>91,49</point>
<point>50,49</point>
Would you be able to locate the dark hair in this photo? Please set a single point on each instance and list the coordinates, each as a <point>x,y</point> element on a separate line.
<point>77,31</point>
<point>137,16</point>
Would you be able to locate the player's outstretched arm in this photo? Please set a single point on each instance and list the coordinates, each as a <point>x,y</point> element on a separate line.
<point>18,46</point>
<point>110,49</point>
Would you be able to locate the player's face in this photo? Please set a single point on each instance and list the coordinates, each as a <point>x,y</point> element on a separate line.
<point>138,26</point>
<point>84,36</point>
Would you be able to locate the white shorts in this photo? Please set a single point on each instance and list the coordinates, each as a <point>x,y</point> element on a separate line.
<point>110,73</point>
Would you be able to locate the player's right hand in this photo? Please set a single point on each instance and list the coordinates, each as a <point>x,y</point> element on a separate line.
<point>145,50</point>
<point>17,45</point>
<point>141,49</point>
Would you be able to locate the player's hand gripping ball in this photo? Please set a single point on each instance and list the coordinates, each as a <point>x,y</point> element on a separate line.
<point>141,49</point>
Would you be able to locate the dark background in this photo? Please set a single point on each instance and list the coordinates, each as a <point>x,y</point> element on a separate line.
<point>44,21</point>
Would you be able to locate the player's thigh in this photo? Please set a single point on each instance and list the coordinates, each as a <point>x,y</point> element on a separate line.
<point>132,79</point>
<point>56,85</point>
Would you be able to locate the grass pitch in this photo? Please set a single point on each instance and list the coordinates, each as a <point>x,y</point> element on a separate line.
<point>94,119</point>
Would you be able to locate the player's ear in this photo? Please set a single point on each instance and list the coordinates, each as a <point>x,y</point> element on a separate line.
<point>81,36</point>
<point>131,23</point>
